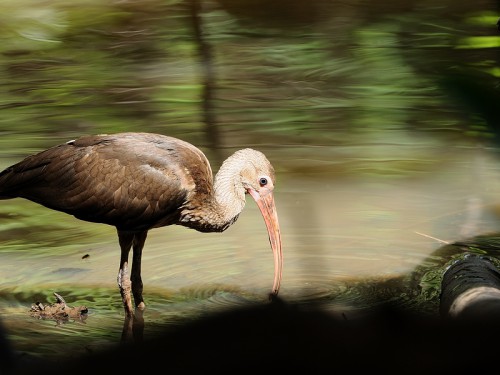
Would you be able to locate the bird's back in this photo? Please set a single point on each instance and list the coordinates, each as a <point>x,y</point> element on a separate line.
<point>133,181</point>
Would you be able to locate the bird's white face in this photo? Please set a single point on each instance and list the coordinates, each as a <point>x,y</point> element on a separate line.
<point>258,174</point>
<point>261,185</point>
<point>266,185</point>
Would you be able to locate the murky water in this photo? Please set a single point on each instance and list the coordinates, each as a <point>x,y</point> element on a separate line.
<point>337,229</point>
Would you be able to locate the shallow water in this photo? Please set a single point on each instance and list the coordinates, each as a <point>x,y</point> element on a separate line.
<point>343,236</point>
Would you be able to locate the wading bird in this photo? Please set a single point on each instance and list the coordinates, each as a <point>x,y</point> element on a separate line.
<point>140,181</point>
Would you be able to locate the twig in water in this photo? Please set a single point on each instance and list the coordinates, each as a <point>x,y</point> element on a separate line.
<point>434,238</point>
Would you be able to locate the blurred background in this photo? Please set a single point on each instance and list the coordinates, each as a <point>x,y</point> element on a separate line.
<point>380,118</point>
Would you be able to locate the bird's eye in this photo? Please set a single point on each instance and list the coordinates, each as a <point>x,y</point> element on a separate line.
<point>263,181</point>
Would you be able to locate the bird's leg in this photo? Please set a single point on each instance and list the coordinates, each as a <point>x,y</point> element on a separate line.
<point>125,239</point>
<point>135,276</point>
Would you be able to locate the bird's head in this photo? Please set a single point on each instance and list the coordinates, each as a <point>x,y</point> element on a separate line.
<point>258,179</point>
<point>257,175</point>
<point>248,171</point>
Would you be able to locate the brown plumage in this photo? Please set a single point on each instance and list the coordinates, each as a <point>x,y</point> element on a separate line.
<point>140,181</point>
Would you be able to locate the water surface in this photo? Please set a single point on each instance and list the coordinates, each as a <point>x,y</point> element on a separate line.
<point>344,235</point>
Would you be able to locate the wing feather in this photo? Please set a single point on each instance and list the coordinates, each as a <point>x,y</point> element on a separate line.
<point>130,180</point>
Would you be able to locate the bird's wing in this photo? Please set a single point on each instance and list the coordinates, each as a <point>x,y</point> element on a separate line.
<point>127,181</point>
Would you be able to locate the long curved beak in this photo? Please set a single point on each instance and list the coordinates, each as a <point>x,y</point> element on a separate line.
<point>270,215</point>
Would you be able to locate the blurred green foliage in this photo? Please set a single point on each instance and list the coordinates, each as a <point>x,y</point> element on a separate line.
<point>292,72</point>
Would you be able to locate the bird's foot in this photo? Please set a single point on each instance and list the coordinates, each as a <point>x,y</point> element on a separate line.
<point>137,293</point>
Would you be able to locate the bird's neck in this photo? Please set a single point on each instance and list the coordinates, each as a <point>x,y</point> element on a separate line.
<point>229,194</point>
<point>222,208</point>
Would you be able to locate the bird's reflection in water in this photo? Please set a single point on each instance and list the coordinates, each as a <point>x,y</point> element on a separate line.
<point>133,327</point>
